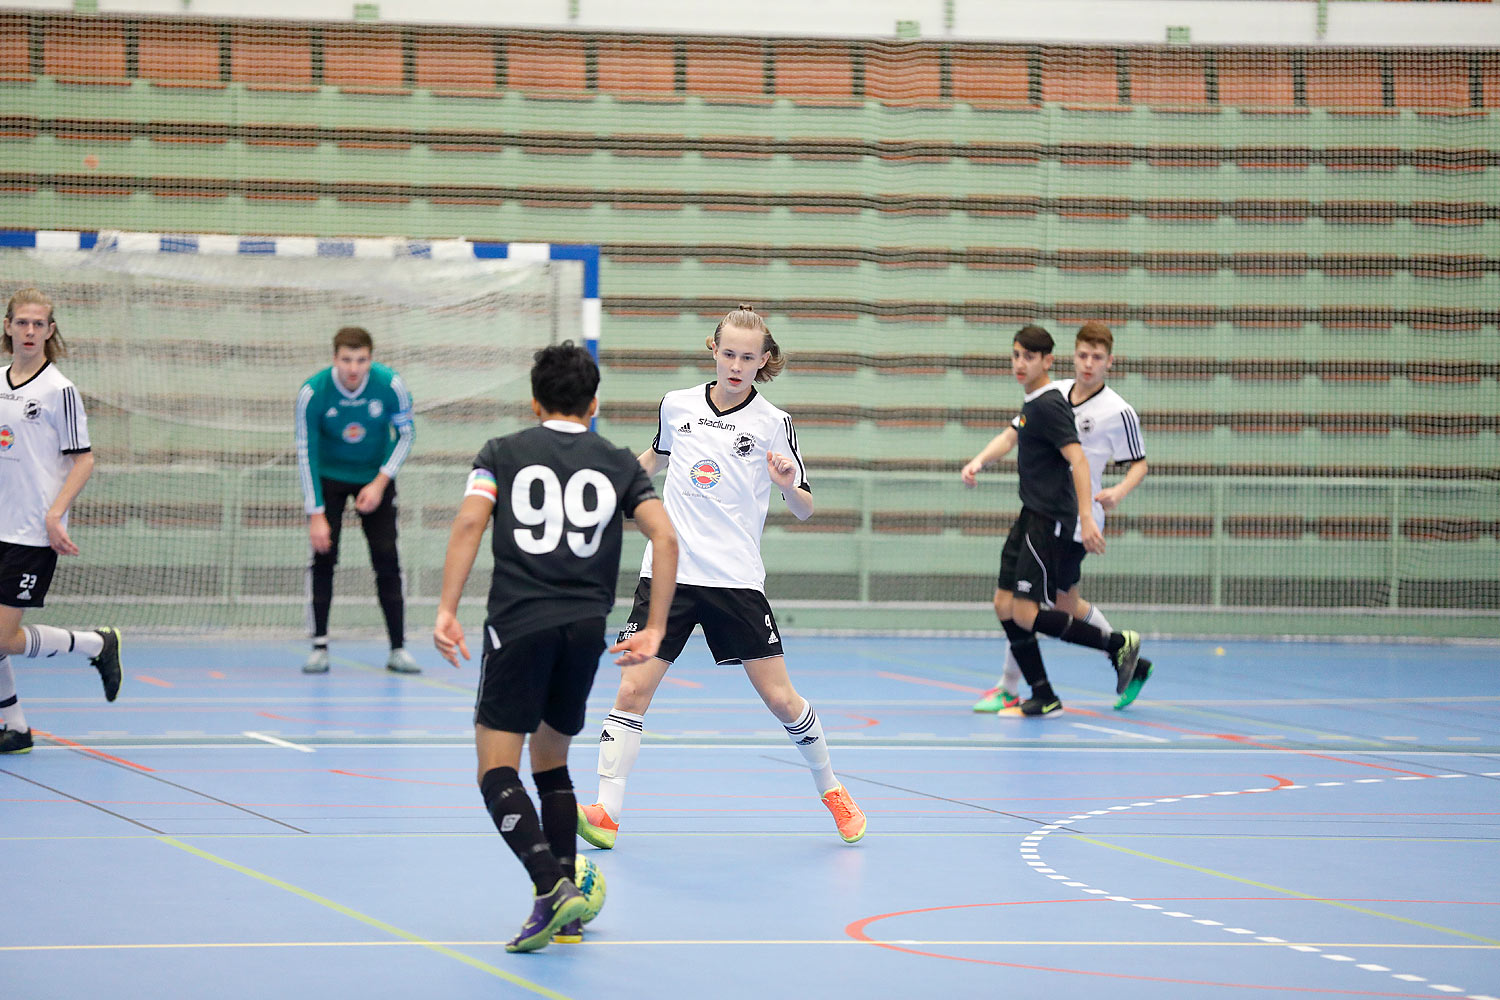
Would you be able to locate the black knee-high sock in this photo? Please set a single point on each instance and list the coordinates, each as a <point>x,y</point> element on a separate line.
<point>1029,658</point>
<point>1061,625</point>
<point>515,817</point>
<point>559,815</point>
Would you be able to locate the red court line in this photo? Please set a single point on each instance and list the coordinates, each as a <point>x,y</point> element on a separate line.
<point>157,681</point>
<point>90,750</point>
<point>946,685</point>
<point>217,675</point>
<point>856,930</point>
<point>669,679</point>
<point>404,781</point>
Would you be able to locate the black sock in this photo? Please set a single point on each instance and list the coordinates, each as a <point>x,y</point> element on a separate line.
<point>1028,657</point>
<point>559,815</point>
<point>1061,625</point>
<point>515,817</point>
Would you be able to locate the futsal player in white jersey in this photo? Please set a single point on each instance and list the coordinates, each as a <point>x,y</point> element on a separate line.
<point>44,461</point>
<point>1110,432</point>
<point>724,446</point>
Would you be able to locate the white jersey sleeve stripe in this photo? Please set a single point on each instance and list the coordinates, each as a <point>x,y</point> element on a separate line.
<point>1133,435</point>
<point>304,463</point>
<point>403,397</point>
<point>405,434</point>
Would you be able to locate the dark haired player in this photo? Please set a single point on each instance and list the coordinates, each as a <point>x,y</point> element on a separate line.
<point>1043,555</point>
<point>557,494</point>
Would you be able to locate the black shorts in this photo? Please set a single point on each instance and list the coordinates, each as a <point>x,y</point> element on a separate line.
<point>25,574</point>
<point>1040,559</point>
<point>542,676</point>
<point>738,624</point>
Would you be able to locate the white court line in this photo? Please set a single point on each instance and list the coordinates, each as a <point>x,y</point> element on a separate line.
<point>1120,732</point>
<point>277,742</point>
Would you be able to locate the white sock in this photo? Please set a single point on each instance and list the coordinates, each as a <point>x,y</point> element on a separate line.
<point>807,736</point>
<point>619,746</point>
<point>1010,677</point>
<point>46,640</point>
<point>1096,618</point>
<point>10,707</point>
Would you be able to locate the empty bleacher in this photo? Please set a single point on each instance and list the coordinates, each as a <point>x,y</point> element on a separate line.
<point>1295,248</point>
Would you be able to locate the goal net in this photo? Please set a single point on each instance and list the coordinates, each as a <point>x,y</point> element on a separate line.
<point>189,364</point>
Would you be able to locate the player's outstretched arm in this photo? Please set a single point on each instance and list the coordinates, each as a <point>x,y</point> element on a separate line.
<point>999,446</point>
<point>650,460</point>
<point>463,545</point>
<point>57,535</point>
<point>651,518</point>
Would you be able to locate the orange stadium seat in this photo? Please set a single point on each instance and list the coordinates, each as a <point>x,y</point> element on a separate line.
<point>1435,80</point>
<point>1081,77</point>
<point>903,73</point>
<point>726,69</point>
<point>546,63</point>
<point>637,66</point>
<point>84,50</point>
<point>1168,79</point>
<point>271,56</point>
<point>991,76</point>
<point>173,53</point>
<point>359,57</point>
<point>15,46</point>
<point>1345,80</point>
<point>453,63</point>
<point>815,70</point>
<point>1250,78</point>
<point>1489,78</point>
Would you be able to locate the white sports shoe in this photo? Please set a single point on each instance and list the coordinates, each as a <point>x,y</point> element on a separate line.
<point>400,662</point>
<point>317,662</point>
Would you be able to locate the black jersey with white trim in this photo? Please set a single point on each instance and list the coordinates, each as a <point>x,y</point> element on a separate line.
<point>1043,429</point>
<point>560,498</point>
<point>718,486</point>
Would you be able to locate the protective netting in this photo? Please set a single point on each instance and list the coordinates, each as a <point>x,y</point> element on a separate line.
<point>189,364</point>
<point>1294,246</point>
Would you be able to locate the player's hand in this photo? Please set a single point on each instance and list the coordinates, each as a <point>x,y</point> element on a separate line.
<point>57,537</point>
<point>1108,498</point>
<point>638,647</point>
<point>1093,538</point>
<point>369,496</point>
<point>448,637</point>
<point>318,533</point>
<point>783,470</point>
<point>970,475</point>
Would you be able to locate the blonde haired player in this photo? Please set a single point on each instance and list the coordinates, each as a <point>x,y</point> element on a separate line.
<point>45,459</point>
<point>725,446</point>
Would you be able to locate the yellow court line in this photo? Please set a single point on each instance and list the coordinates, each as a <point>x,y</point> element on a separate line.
<point>752,943</point>
<point>374,922</point>
<point>1288,892</point>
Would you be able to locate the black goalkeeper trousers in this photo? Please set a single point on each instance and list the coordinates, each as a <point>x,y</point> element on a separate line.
<point>380,534</point>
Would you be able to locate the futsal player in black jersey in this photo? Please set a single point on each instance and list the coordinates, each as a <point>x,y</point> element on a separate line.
<point>557,494</point>
<point>1043,555</point>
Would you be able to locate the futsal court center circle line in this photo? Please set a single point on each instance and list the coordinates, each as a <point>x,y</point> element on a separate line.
<point>1031,856</point>
<point>856,930</point>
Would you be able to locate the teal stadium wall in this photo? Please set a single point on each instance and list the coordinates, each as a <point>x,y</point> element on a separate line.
<point>1294,247</point>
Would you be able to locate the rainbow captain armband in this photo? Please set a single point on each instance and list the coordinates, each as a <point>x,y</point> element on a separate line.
<point>482,484</point>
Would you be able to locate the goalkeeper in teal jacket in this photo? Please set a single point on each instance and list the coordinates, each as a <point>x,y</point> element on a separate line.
<point>354,429</point>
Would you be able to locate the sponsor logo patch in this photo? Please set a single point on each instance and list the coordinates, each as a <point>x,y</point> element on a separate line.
<point>7,438</point>
<point>354,433</point>
<point>705,474</point>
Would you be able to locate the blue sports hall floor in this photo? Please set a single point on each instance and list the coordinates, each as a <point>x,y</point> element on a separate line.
<point>1267,820</point>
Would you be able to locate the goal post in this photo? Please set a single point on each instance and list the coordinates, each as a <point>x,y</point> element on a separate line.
<point>189,351</point>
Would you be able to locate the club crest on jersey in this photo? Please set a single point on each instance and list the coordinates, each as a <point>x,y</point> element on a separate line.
<point>744,445</point>
<point>8,438</point>
<point>354,433</point>
<point>705,473</point>
<point>376,409</point>
<point>32,409</point>
<point>1086,425</point>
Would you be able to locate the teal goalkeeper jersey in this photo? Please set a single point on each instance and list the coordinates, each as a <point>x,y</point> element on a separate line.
<point>351,436</point>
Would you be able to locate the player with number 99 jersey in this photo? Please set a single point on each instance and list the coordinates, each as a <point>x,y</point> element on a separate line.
<point>559,492</point>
